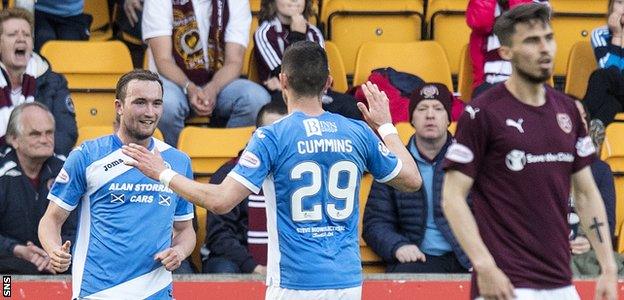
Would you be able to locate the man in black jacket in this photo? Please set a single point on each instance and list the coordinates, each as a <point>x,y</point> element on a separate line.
<point>26,174</point>
<point>237,241</point>
<point>408,230</point>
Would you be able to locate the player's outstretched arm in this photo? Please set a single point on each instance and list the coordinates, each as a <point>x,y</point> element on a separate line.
<point>50,237</point>
<point>378,117</point>
<point>590,208</point>
<point>218,199</point>
<point>492,282</point>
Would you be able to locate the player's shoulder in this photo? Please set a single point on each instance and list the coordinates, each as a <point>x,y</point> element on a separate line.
<point>95,149</point>
<point>169,152</point>
<point>490,98</point>
<point>560,98</point>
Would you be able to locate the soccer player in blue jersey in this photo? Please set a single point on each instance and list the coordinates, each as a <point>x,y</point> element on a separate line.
<point>133,231</point>
<point>309,165</point>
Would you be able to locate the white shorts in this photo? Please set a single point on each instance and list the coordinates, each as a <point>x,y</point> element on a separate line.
<point>278,293</point>
<point>564,293</point>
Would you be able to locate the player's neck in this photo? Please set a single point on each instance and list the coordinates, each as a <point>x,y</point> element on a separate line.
<point>527,92</point>
<point>126,139</point>
<point>310,106</point>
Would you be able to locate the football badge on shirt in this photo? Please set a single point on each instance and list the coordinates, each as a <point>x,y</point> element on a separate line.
<point>564,122</point>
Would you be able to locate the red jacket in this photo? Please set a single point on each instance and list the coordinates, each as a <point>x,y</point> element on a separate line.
<point>480,18</point>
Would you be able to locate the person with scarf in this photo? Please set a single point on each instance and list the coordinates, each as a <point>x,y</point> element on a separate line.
<point>26,77</point>
<point>197,49</point>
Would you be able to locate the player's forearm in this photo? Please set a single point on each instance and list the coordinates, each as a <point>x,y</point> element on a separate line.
<point>184,240</point>
<point>594,221</point>
<point>465,229</point>
<point>49,233</point>
<point>409,179</point>
<point>206,195</point>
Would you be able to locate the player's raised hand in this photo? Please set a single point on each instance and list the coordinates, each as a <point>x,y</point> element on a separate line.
<point>378,111</point>
<point>151,164</point>
<point>60,258</point>
<point>171,258</point>
<point>494,284</point>
<point>606,287</point>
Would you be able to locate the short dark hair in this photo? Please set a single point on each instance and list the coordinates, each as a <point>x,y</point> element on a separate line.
<point>305,65</point>
<point>138,74</point>
<point>268,10</point>
<point>15,127</point>
<point>273,107</point>
<point>505,25</point>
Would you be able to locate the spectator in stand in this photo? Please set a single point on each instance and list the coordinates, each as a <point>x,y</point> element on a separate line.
<point>237,241</point>
<point>199,60</point>
<point>488,68</point>
<point>584,260</point>
<point>26,174</point>
<point>60,20</point>
<point>408,229</point>
<point>27,77</point>
<point>605,91</point>
<point>282,23</point>
<point>128,22</point>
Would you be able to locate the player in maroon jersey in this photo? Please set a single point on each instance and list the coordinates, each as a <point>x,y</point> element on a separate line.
<point>519,147</point>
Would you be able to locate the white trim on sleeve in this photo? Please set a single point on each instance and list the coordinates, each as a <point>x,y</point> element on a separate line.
<point>394,172</point>
<point>61,203</point>
<point>242,180</point>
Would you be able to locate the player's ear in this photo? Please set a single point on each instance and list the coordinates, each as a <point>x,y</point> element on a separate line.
<point>283,79</point>
<point>505,52</point>
<point>328,83</point>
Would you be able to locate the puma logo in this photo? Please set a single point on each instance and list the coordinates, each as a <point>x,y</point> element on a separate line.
<point>517,125</point>
<point>472,111</point>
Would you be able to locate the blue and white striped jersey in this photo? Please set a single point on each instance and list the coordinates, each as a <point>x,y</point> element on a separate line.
<point>125,219</point>
<point>310,169</point>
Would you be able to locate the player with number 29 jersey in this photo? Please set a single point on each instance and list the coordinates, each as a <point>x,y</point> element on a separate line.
<point>315,164</point>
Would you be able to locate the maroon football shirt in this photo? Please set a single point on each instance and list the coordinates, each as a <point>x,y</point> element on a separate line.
<point>521,158</point>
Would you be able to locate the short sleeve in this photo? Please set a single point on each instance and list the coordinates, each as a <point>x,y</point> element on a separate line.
<point>256,160</point>
<point>585,150</point>
<point>157,19</point>
<point>468,149</point>
<point>71,183</point>
<point>237,29</point>
<point>184,209</point>
<point>380,162</point>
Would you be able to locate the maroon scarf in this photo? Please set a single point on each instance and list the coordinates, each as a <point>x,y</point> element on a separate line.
<point>187,48</point>
<point>28,89</point>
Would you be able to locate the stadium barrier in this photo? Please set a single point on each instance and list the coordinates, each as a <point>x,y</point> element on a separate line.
<point>224,287</point>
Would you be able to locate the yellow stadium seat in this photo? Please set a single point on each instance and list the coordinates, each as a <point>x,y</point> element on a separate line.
<point>89,65</point>
<point>447,26</point>
<point>619,117</point>
<point>94,108</point>
<point>425,59</point>
<point>371,262</point>
<point>613,154</point>
<point>200,216</point>
<point>580,66</point>
<point>405,130</point>
<point>350,23</point>
<point>573,21</point>
<point>613,147</point>
<point>252,69</point>
<point>336,67</point>
<point>92,132</point>
<point>101,28</point>
<point>210,148</point>
<point>464,80</point>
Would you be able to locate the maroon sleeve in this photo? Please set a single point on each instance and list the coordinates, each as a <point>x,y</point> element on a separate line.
<point>467,151</point>
<point>585,151</point>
